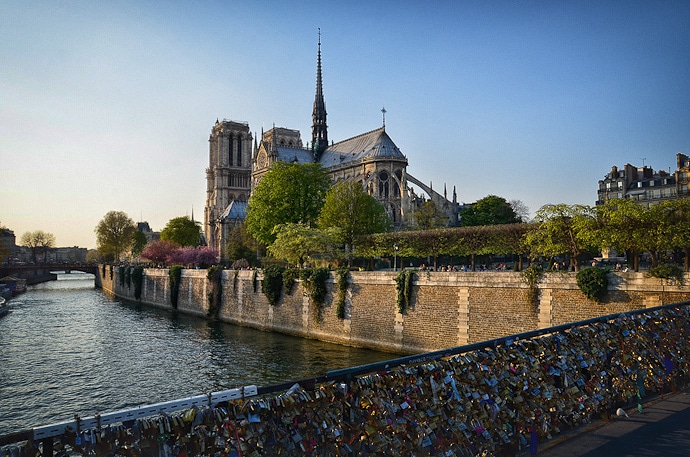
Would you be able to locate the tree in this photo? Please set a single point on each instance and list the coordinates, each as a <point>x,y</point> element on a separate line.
<point>490,210</point>
<point>288,192</point>
<point>241,245</point>
<point>114,233</point>
<point>352,213</point>
<point>561,229</point>
<point>160,251</point>
<point>297,243</point>
<point>138,243</point>
<point>38,242</point>
<point>680,233</point>
<point>621,223</point>
<point>520,209</point>
<point>183,231</point>
<point>430,217</point>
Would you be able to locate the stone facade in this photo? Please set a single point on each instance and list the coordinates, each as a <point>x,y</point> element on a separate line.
<point>447,310</point>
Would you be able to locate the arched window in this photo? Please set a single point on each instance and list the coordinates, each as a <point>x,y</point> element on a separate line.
<point>383,185</point>
<point>230,149</point>
<point>239,151</point>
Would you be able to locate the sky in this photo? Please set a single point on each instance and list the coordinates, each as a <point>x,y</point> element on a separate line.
<point>109,105</point>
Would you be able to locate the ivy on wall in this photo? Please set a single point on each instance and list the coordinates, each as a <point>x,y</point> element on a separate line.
<point>175,273</point>
<point>272,285</point>
<point>138,279</point>
<point>215,275</point>
<point>403,285</point>
<point>314,281</point>
<point>531,276</point>
<point>342,274</point>
<point>128,277</point>
<point>121,276</point>
<point>667,271</point>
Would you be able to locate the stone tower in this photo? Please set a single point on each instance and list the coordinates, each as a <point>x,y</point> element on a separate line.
<point>227,177</point>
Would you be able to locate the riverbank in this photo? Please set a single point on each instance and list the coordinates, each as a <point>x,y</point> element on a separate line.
<point>446,309</point>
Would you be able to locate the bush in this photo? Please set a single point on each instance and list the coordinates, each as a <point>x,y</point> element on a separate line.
<point>215,275</point>
<point>314,281</point>
<point>593,282</point>
<point>272,284</point>
<point>667,271</point>
<point>289,277</point>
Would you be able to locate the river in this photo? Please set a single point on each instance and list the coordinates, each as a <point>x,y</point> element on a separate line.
<point>67,348</point>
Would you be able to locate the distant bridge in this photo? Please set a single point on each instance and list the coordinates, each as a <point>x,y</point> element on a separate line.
<point>44,272</point>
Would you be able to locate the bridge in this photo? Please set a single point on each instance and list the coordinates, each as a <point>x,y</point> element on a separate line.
<point>44,272</point>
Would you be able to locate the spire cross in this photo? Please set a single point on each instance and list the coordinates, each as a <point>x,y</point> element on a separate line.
<point>383,111</point>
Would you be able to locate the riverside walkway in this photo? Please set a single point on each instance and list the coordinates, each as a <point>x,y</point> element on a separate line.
<point>661,429</point>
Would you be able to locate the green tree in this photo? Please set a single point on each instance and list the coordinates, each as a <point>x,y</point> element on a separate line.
<point>114,233</point>
<point>38,242</point>
<point>183,231</point>
<point>490,210</point>
<point>241,245</point>
<point>621,226</point>
<point>679,216</point>
<point>561,229</point>
<point>352,213</point>
<point>288,192</point>
<point>138,243</point>
<point>297,243</point>
<point>430,217</point>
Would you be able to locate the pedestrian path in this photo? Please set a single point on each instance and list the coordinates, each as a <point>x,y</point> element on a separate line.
<point>661,429</point>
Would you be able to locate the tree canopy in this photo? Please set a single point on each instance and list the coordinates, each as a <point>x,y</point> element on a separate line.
<point>138,243</point>
<point>38,242</point>
<point>297,243</point>
<point>114,233</point>
<point>288,192</point>
<point>561,229</point>
<point>352,213</point>
<point>490,210</point>
<point>241,245</point>
<point>429,217</point>
<point>183,231</point>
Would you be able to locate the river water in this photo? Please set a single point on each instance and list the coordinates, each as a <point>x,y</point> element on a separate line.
<point>67,348</point>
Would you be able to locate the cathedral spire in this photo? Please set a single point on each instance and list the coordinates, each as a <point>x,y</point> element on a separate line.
<point>319,129</point>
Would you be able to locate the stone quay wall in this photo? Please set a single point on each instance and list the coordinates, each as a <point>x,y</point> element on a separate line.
<point>447,309</point>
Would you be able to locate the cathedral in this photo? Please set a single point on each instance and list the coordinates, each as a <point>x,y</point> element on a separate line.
<point>237,161</point>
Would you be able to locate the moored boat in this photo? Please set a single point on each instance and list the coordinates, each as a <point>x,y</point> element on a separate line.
<point>4,307</point>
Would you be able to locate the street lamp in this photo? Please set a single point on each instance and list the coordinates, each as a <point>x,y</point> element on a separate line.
<point>395,257</point>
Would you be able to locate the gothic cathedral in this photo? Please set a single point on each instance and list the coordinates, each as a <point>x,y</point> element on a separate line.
<point>372,159</point>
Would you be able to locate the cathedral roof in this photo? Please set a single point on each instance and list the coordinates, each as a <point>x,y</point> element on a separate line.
<point>374,144</point>
<point>288,154</point>
<point>235,210</point>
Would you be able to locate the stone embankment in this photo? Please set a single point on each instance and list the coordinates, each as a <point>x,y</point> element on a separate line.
<point>446,309</point>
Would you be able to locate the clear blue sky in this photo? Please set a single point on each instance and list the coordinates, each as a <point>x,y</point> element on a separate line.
<point>109,105</point>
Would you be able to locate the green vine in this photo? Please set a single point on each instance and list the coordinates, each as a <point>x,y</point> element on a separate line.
<point>531,276</point>
<point>175,273</point>
<point>234,279</point>
<point>667,271</point>
<point>111,272</point>
<point>121,276</point>
<point>593,282</point>
<point>272,284</point>
<point>342,290</point>
<point>255,277</point>
<point>403,284</point>
<point>128,277</point>
<point>138,279</point>
<point>289,277</point>
<point>215,276</point>
<point>103,271</point>
<point>314,281</point>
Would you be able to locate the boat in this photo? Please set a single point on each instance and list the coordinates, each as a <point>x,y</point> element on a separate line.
<point>16,285</point>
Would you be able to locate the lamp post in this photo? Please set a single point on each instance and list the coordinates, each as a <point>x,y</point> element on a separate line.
<point>395,257</point>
